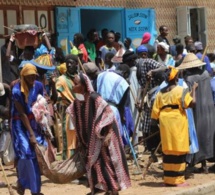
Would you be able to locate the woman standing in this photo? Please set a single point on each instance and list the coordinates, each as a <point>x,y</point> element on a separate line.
<point>25,130</point>
<point>169,107</point>
<point>98,134</point>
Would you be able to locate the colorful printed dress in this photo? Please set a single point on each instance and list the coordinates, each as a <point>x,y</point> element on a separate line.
<point>27,167</point>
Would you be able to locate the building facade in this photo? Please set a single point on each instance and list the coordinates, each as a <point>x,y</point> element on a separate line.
<point>182,17</point>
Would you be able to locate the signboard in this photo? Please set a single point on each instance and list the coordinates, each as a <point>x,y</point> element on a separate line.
<point>139,21</point>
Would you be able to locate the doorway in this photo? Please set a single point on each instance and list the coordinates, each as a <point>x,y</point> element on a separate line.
<point>192,21</point>
<point>112,19</point>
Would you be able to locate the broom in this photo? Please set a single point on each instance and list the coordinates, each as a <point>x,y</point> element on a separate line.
<point>11,192</point>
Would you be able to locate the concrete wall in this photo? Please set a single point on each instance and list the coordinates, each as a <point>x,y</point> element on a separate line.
<point>165,10</point>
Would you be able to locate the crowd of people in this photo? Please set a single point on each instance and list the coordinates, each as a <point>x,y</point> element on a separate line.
<point>99,91</point>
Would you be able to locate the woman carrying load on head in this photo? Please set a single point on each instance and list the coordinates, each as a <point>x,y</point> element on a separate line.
<point>169,107</point>
<point>26,132</point>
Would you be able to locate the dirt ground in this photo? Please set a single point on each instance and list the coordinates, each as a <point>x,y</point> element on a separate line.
<point>151,185</point>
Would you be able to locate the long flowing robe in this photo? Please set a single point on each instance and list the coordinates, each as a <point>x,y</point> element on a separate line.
<point>106,165</point>
<point>203,114</point>
<point>28,169</point>
<point>169,108</point>
<point>113,88</point>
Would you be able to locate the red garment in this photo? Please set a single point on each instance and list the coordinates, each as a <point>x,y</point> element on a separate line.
<point>84,51</point>
<point>146,38</point>
<point>99,45</point>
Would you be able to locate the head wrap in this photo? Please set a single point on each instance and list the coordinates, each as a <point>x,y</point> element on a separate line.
<point>86,81</point>
<point>146,38</point>
<point>28,69</point>
<point>91,68</point>
<point>164,45</point>
<point>198,45</point>
<point>62,68</point>
<point>171,73</point>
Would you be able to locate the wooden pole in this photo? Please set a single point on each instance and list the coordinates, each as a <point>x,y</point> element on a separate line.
<point>81,65</point>
<point>204,53</point>
<point>79,61</point>
<point>5,176</point>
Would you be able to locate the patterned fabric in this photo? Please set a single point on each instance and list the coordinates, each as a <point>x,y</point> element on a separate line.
<point>64,86</point>
<point>43,50</point>
<point>143,67</point>
<point>28,172</point>
<point>106,164</point>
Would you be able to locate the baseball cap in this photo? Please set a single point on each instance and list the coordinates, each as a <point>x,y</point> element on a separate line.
<point>141,49</point>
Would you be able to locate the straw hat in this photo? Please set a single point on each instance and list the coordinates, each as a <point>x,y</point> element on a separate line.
<point>190,61</point>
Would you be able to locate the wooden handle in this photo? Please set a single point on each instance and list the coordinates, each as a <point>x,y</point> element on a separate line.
<point>204,53</point>
<point>81,65</point>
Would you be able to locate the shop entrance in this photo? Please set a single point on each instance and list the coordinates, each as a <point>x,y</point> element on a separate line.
<point>129,22</point>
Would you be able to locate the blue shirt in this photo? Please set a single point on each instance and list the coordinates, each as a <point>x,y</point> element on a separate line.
<point>207,61</point>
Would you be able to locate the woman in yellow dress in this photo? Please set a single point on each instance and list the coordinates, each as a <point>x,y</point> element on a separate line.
<point>169,108</point>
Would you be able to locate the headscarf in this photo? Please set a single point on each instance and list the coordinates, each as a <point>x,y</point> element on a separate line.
<point>91,68</point>
<point>86,81</point>
<point>146,38</point>
<point>28,69</point>
<point>62,68</point>
<point>164,45</point>
<point>171,73</point>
